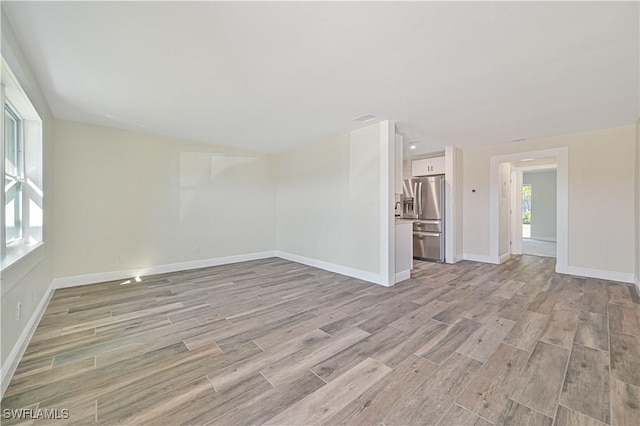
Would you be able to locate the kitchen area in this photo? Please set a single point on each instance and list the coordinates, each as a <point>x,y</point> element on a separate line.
<point>419,210</point>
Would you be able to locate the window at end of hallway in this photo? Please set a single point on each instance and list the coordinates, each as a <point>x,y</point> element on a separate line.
<point>21,217</point>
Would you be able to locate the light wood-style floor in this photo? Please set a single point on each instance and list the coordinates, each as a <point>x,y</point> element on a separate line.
<point>275,342</point>
<point>539,247</point>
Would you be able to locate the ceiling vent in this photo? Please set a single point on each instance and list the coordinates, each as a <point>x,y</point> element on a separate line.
<point>365,118</point>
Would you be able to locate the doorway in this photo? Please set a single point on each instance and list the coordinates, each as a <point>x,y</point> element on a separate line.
<point>539,209</point>
<point>497,228</point>
<point>526,211</point>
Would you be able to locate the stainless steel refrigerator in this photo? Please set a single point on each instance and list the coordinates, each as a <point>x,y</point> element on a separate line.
<point>423,201</point>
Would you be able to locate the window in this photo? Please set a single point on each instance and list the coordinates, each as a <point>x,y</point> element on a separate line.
<point>526,211</point>
<point>21,216</point>
<point>13,176</point>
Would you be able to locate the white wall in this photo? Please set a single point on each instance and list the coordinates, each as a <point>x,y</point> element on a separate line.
<point>406,169</point>
<point>504,197</point>
<point>543,203</point>
<point>27,281</point>
<point>638,203</point>
<point>128,201</point>
<point>600,184</point>
<point>328,201</point>
<point>453,204</point>
<point>459,204</point>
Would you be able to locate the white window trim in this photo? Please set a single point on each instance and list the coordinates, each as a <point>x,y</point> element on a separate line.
<point>13,252</point>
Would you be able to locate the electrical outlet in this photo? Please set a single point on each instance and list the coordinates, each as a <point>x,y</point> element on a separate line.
<point>18,311</point>
<point>197,249</point>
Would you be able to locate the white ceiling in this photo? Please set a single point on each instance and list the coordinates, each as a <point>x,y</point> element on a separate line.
<point>270,76</point>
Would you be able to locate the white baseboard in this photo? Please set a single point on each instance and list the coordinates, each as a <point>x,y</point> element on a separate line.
<point>504,258</point>
<point>478,258</point>
<point>332,267</point>
<point>404,275</point>
<point>12,361</point>
<point>160,269</point>
<point>600,274</point>
<point>455,259</point>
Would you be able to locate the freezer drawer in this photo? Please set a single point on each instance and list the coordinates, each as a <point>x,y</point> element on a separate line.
<point>427,226</point>
<point>428,246</point>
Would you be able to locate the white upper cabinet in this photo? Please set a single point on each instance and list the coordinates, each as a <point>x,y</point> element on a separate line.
<point>428,166</point>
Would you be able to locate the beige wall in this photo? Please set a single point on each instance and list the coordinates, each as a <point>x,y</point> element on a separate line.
<point>638,202</point>
<point>601,188</point>
<point>27,281</point>
<point>329,200</point>
<point>504,197</point>
<point>543,203</point>
<point>459,201</point>
<point>127,200</point>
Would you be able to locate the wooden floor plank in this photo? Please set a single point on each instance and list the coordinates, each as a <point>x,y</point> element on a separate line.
<point>514,308</point>
<point>488,394</point>
<point>595,297</point>
<point>484,342</point>
<point>526,332</point>
<point>346,359</point>
<point>625,357</point>
<point>411,341</point>
<point>417,318</point>
<point>213,404</point>
<point>268,404</point>
<point>625,403</point>
<point>301,346</point>
<point>372,406</point>
<point>561,328</point>
<point>518,414</point>
<point>461,417</point>
<point>287,369</point>
<point>539,384</point>
<point>430,401</point>
<point>586,385</point>
<point>569,417</point>
<point>333,397</point>
<point>624,319</point>
<point>593,331</point>
<point>438,350</point>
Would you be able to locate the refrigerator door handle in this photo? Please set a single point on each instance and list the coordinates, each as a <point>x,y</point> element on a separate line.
<point>427,234</point>
<point>419,194</point>
<point>416,198</point>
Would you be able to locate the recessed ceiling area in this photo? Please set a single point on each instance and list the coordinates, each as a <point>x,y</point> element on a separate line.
<point>270,76</point>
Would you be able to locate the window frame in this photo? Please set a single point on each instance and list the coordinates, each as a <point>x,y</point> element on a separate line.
<point>29,174</point>
<point>19,178</point>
